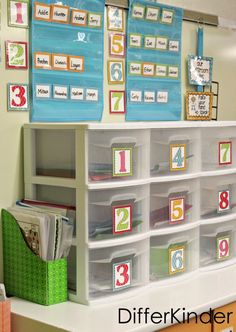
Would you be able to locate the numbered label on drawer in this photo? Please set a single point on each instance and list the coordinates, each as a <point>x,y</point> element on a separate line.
<point>177,259</point>
<point>122,219</point>
<point>225,153</point>
<point>122,275</point>
<point>176,210</point>
<point>223,247</point>
<point>122,162</point>
<point>18,97</point>
<point>178,157</point>
<point>223,201</point>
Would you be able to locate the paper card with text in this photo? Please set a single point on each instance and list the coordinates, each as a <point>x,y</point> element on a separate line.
<point>176,210</point>
<point>18,97</point>
<point>16,55</point>
<point>162,97</point>
<point>200,70</point>
<point>60,14</point>
<point>18,13</point>
<point>117,102</point>
<point>122,275</point>
<point>173,72</point>
<point>161,70</point>
<point>149,96</point>
<point>79,17</point>
<point>42,12</point>
<point>135,68</point>
<point>174,45</point>
<point>150,42</point>
<point>199,105</point>
<point>161,43</point>
<point>42,60</point>
<point>224,201</point>
<point>148,69</point>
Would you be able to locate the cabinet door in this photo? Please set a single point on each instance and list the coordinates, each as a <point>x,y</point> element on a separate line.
<point>229,325</point>
<point>191,327</point>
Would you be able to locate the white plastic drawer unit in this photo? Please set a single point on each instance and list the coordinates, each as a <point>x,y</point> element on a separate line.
<point>117,269</point>
<point>218,196</point>
<point>174,151</point>
<point>118,155</point>
<point>174,203</point>
<point>119,212</point>
<point>218,243</point>
<point>218,148</point>
<point>174,254</point>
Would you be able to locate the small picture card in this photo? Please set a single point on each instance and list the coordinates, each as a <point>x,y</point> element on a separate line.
<point>122,275</point>
<point>60,14</point>
<point>149,96</point>
<point>76,63</point>
<point>162,97</point>
<point>122,162</point>
<point>94,20</point>
<point>136,96</point>
<point>138,11</point>
<point>135,40</point>
<point>60,92</point>
<point>161,43</point>
<point>148,69</point>
<point>122,219</point>
<point>135,68</point>
<point>42,60</point>
<point>176,210</point>
<point>76,93</point>
<point>199,105</point>
<point>117,45</point>
<point>150,42</point>
<point>43,91</point>
<point>79,17</point>
<point>200,70</point>
<point>173,71</point>
<point>91,94</point>
<point>18,14</point>
<point>161,70</point>
<point>223,244</point>
<point>152,13</point>
<point>16,55</point>
<point>115,19</point>
<point>60,62</point>
<point>224,199</point>
<point>116,72</point>
<point>18,97</point>
<point>225,153</point>
<point>117,102</point>
<point>178,157</point>
<point>167,16</point>
<point>174,45</point>
<point>42,12</point>
<point>177,259</point>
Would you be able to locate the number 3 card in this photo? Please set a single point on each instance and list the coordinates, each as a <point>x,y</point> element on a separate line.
<point>18,97</point>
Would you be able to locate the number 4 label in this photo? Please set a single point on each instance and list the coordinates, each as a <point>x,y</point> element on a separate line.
<point>18,97</point>
<point>177,259</point>
<point>117,102</point>
<point>178,157</point>
<point>176,210</point>
<point>223,248</point>
<point>122,219</point>
<point>122,162</point>
<point>225,153</point>
<point>122,274</point>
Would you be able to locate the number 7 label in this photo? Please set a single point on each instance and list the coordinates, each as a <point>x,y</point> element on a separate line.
<point>225,153</point>
<point>122,219</point>
<point>117,102</point>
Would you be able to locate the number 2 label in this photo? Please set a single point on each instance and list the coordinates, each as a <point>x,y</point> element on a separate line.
<point>18,97</point>
<point>122,162</point>
<point>117,102</point>
<point>176,210</point>
<point>178,157</point>
<point>16,55</point>
<point>122,275</point>
<point>177,259</point>
<point>225,153</point>
<point>223,201</point>
<point>122,219</point>
<point>223,248</point>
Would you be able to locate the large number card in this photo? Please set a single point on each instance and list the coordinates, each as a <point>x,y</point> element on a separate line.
<point>18,14</point>
<point>116,74</point>
<point>115,19</point>
<point>178,157</point>
<point>117,45</point>
<point>122,161</point>
<point>122,219</point>
<point>18,97</point>
<point>16,55</point>
<point>122,275</point>
<point>223,247</point>
<point>225,153</point>
<point>117,102</point>
<point>224,201</point>
<point>176,210</point>
<point>177,259</point>
<point>199,105</point>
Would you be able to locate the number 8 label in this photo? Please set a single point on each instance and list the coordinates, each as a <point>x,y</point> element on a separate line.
<point>223,248</point>
<point>225,153</point>
<point>122,275</point>
<point>223,201</point>
<point>122,219</point>
<point>18,97</point>
<point>177,259</point>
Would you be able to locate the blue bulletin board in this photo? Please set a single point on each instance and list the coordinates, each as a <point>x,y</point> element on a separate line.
<point>67,60</point>
<point>154,62</point>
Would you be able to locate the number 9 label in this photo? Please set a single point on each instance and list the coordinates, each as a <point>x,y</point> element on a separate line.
<point>18,97</point>
<point>223,248</point>
<point>177,259</point>
<point>122,219</point>
<point>122,275</point>
<point>225,153</point>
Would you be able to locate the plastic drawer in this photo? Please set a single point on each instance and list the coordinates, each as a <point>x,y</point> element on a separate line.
<point>118,212</point>
<point>173,254</point>
<point>115,269</point>
<point>174,151</point>
<point>174,203</point>
<point>217,243</point>
<point>218,196</point>
<point>71,271</point>
<point>218,148</point>
<point>118,155</point>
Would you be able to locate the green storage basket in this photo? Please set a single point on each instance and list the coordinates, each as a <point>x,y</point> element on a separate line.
<point>25,274</point>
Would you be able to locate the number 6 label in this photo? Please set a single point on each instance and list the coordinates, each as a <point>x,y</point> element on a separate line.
<point>176,210</point>
<point>225,153</point>
<point>177,259</point>
<point>116,72</point>
<point>122,275</point>
<point>122,162</point>
<point>18,97</point>
<point>178,157</point>
<point>223,248</point>
<point>122,219</point>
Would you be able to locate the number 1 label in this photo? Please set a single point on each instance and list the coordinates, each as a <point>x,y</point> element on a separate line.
<point>176,210</point>
<point>177,259</point>
<point>223,248</point>
<point>178,157</point>
<point>18,14</point>
<point>122,219</point>
<point>122,275</point>
<point>122,162</point>
<point>117,102</point>
<point>225,153</point>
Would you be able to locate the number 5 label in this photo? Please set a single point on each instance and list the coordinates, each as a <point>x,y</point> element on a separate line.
<point>122,162</point>
<point>177,259</point>
<point>178,157</point>
<point>223,248</point>
<point>122,219</point>
<point>117,102</point>
<point>116,72</point>
<point>176,210</point>
<point>225,153</point>
<point>122,275</point>
<point>117,45</point>
<point>18,97</point>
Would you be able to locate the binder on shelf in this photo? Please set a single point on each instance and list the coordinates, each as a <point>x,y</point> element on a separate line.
<point>5,316</point>
<point>26,275</point>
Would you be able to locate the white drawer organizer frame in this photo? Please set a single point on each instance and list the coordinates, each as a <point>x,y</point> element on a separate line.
<point>82,187</point>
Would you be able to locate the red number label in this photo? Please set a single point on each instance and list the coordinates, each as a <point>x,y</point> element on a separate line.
<point>19,18</point>
<point>122,275</point>
<point>224,201</point>
<point>20,95</point>
<point>223,248</point>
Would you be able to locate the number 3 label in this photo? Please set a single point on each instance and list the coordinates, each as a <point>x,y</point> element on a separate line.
<point>176,210</point>
<point>177,157</point>
<point>177,259</point>
<point>117,102</point>
<point>18,97</point>
<point>223,248</point>
<point>122,219</point>
<point>122,275</point>
<point>122,162</point>
<point>225,153</point>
